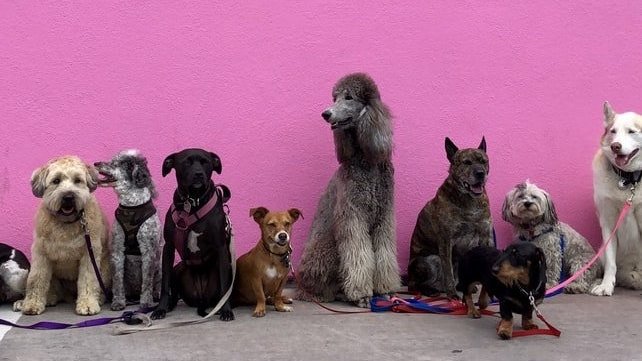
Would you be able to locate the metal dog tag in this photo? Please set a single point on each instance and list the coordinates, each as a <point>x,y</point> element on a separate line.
<point>621,184</point>
<point>187,206</point>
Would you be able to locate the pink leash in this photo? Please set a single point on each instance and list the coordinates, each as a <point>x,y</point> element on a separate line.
<point>625,210</point>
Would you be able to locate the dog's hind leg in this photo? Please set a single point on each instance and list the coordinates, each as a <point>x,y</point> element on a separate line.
<point>629,278</point>
<point>317,271</point>
<point>386,278</point>
<point>427,275</point>
<point>148,236</point>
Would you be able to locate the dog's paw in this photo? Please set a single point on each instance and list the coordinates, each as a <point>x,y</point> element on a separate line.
<point>283,308</point>
<point>31,307</point>
<point>87,307</point>
<point>363,302</point>
<point>117,305</point>
<point>258,312</point>
<point>17,305</point>
<point>158,314</point>
<point>229,315</point>
<point>603,289</point>
<point>287,300</point>
<point>505,329</point>
<point>528,324</point>
<point>474,313</point>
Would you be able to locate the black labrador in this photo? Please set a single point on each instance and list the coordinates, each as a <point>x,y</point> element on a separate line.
<point>196,227</point>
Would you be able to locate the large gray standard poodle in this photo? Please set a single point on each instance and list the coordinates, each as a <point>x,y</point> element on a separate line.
<point>352,248</point>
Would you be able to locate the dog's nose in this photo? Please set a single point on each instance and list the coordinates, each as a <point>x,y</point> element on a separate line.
<point>283,237</point>
<point>527,204</point>
<point>616,147</point>
<point>68,197</point>
<point>199,174</point>
<point>480,174</point>
<point>97,164</point>
<point>326,114</point>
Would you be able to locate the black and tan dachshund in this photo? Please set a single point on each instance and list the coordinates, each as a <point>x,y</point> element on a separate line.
<point>512,276</point>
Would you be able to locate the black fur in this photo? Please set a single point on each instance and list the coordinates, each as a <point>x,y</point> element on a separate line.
<point>199,285</point>
<point>481,263</point>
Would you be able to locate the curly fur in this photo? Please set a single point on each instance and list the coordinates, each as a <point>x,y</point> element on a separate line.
<point>351,248</point>
<point>60,265</point>
<point>135,277</point>
<point>532,213</point>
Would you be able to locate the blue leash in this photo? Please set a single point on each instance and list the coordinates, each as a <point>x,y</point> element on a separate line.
<point>128,317</point>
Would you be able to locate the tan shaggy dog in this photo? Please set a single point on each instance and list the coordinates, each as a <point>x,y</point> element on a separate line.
<point>60,265</point>
<point>263,271</point>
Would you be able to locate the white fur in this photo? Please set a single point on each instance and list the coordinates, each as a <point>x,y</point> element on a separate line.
<point>623,257</point>
<point>270,272</point>
<point>276,237</point>
<point>192,241</point>
<point>13,275</point>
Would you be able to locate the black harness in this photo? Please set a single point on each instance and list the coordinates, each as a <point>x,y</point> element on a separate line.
<point>130,220</point>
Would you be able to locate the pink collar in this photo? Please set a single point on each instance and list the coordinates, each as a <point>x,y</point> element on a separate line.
<point>184,220</point>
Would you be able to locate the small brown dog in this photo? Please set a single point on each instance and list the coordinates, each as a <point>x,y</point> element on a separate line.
<point>263,271</point>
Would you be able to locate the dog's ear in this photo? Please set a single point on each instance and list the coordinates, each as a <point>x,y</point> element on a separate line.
<point>609,113</point>
<point>92,177</point>
<point>38,178</point>
<point>295,214</point>
<point>258,213</point>
<point>482,145</point>
<point>451,149</point>
<point>374,132</point>
<point>168,164</point>
<point>550,214</point>
<point>216,162</point>
<point>507,215</point>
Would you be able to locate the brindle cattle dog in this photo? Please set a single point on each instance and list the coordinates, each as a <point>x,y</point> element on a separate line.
<point>453,222</point>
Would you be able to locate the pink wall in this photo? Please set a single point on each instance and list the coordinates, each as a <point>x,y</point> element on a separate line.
<point>250,81</point>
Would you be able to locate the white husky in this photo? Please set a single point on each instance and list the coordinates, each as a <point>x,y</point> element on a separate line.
<point>617,168</point>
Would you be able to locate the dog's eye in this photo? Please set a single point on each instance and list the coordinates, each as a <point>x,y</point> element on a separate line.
<point>77,181</point>
<point>468,162</point>
<point>631,131</point>
<point>612,131</point>
<point>56,181</point>
<point>286,224</point>
<point>348,97</point>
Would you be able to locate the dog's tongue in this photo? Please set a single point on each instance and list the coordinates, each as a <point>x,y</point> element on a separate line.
<point>621,160</point>
<point>477,189</point>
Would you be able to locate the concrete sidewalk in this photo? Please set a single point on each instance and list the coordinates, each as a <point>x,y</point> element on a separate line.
<point>593,328</point>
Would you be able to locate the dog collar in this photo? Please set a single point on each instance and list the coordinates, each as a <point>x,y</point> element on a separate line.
<point>531,233</point>
<point>627,178</point>
<point>285,257</point>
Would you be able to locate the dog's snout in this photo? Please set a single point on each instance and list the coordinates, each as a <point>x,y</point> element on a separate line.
<point>98,164</point>
<point>528,204</point>
<point>616,147</point>
<point>69,197</point>
<point>283,237</point>
<point>480,174</point>
<point>326,114</point>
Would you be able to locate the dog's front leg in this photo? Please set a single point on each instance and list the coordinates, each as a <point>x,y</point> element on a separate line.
<point>168,268</point>
<point>89,290</point>
<point>357,258</point>
<point>225,280</point>
<point>38,283</point>
<point>505,327</point>
<point>527,319</point>
<point>446,255</point>
<point>608,216</point>
<point>279,300</point>
<point>118,263</point>
<point>386,278</point>
<point>259,294</point>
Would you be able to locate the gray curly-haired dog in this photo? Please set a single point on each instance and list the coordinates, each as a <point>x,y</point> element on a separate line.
<point>351,248</point>
<point>136,233</point>
<point>532,213</point>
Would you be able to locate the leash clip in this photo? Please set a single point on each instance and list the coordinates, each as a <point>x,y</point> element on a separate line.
<point>632,189</point>
<point>83,223</point>
<point>531,299</point>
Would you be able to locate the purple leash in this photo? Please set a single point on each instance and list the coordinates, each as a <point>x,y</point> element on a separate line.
<point>129,317</point>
